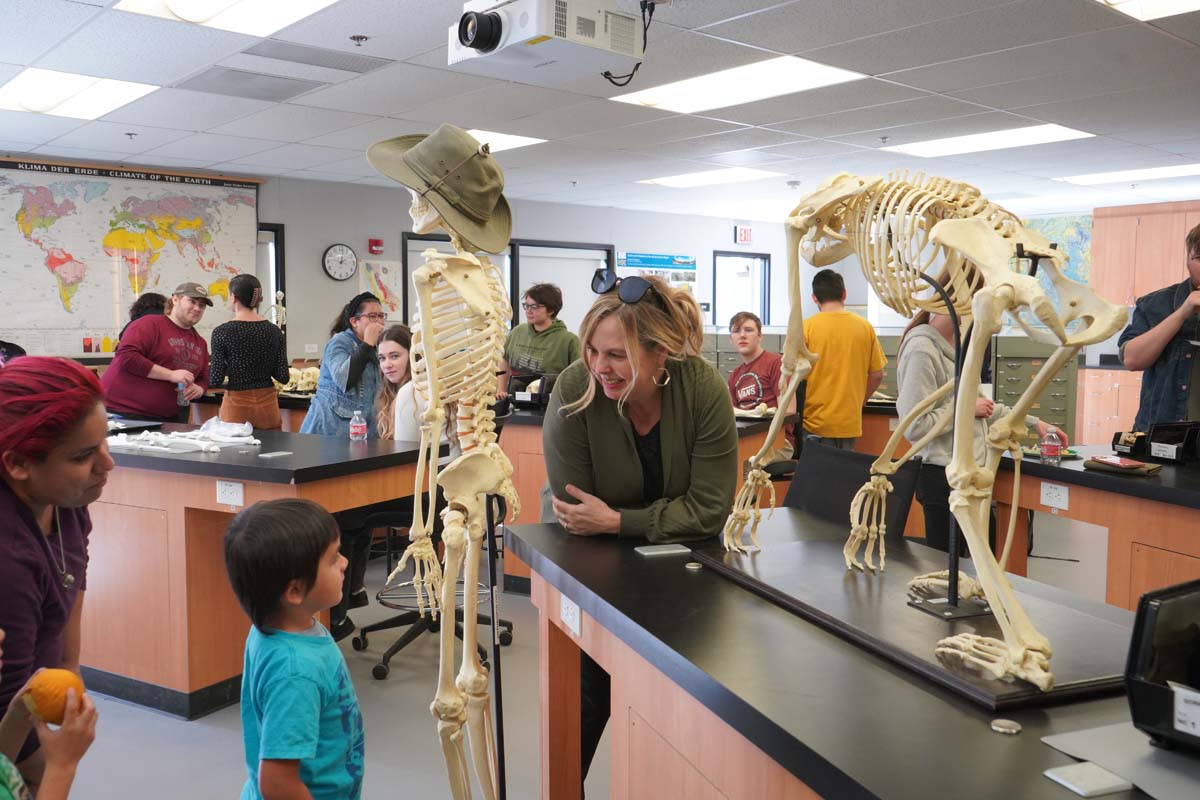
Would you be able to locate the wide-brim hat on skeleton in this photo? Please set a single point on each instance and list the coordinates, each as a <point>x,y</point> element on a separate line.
<point>457,176</point>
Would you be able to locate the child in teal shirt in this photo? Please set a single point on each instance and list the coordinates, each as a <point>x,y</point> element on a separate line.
<point>301,725</point>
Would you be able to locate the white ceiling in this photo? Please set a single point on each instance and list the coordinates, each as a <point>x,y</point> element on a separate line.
<point>937,68</point>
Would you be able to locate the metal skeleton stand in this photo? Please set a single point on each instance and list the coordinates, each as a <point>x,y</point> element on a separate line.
<point>497,694</point>
<point>948,607</point>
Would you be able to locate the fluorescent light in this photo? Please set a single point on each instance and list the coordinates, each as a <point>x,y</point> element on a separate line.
<point>1151,9</point>
<point>65,94</point>
<point>730,87</point>
<point>712,177</point>
<point>992,140</point>
<point>252,17</point>
<point>1133,175</point>
<point>503,141</point>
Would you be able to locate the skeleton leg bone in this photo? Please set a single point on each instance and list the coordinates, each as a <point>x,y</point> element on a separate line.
<point>449,706</point>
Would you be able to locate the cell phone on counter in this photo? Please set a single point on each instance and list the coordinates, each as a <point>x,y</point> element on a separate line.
<point>651,550</point>
<point>1119,461</point>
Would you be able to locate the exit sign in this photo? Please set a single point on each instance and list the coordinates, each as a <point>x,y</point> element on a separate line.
<point>742,234</point>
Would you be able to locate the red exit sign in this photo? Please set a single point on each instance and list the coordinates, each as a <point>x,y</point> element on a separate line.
<point>742,234</point>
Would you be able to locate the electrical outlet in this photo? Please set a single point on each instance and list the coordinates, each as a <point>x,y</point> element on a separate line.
<point>231,493</point>
<point>1055,495</point>
<point>568,612</point>
<point>311,349</point>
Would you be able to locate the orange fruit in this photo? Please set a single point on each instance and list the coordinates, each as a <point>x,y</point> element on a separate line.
<point>47,695</point>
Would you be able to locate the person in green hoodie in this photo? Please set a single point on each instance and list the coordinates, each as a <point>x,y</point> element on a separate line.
<point>639,438</point>
<point>543,344</point>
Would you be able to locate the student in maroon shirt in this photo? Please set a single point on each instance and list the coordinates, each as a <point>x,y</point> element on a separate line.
<point>157,353</point>
<point>756,380</point>
<point>54,461</point>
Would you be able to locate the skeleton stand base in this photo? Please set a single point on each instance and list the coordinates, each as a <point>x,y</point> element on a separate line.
<point>939,606</point>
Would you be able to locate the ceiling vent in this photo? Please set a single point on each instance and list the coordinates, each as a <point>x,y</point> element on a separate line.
<point>317,56</point>
<point>251,85</point>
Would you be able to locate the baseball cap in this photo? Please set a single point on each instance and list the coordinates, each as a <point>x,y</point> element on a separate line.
<point>194,290</point>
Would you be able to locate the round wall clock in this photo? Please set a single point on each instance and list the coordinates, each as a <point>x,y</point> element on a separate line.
<point>339,262</point>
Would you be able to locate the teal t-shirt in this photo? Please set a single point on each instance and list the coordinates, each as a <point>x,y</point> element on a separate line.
<point>298,703</point>
<point>12,787</point>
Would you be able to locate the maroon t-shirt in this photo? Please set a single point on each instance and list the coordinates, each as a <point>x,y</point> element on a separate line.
<point>758,382</point>
<point>151,340</point>
<point>34,605</point>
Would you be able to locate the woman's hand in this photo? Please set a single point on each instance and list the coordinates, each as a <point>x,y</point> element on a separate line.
<point>591,516</point>
<point>984,407</point>
<point>372,332</point>
<point>1043,427</point>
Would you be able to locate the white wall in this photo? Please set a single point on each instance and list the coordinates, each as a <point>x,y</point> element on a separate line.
<point>316,214</point>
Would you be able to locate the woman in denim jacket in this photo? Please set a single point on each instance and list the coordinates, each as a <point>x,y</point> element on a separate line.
<point>349,379</point>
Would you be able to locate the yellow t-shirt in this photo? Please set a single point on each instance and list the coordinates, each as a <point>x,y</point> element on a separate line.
<point>837,385</point>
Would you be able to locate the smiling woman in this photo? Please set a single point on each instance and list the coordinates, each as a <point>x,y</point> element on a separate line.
<point>54,461</point>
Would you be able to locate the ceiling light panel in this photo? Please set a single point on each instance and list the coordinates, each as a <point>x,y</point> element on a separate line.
<point>66,94</point>
<point>712,177</point>
<point>251,17</point>
<point>1133,175</point>
<point>992,140</point>
<point>1151,9</point>
<point>740,85</point>
<point>498,142</point>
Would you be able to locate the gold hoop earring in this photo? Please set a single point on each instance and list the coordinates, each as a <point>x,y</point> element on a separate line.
<point>665,381</point>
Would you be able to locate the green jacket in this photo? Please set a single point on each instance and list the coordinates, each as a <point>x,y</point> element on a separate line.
<point>551,350</point>
<point>594,450</point>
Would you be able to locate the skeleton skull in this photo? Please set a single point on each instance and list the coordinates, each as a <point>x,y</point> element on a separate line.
<point>425,217</point>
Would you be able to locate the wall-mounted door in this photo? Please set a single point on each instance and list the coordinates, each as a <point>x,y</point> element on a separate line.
<point>740,282</point>
<point>570,269</point>
<point>416,247</point>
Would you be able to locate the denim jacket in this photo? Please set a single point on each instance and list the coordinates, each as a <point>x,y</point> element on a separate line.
<point>332,406</point>
<point>1165,382</point>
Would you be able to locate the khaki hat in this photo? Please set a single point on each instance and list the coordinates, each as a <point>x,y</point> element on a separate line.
<point>194,290</point>
<point>457,176</point>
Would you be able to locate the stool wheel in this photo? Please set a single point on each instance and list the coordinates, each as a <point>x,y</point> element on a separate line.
<point>380,672</point>
<point>505,638</point>
<point>359,642</point>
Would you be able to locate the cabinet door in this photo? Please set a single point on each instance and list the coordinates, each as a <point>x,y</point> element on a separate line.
<point>1159,259</point>
<point>1114,243</point>
<point>1128,400</point>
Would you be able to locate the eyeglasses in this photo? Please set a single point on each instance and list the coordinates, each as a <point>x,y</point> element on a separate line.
<point>532,306</point>
<point>374,317</point>
<point>631,290</point>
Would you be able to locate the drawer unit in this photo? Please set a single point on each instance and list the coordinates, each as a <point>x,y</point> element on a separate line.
<point>1017,362</point>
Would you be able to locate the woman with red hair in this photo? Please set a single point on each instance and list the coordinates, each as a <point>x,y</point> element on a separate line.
<point>54,461</point>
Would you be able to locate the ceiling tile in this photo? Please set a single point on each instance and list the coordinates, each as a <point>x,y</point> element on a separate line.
<point>1144,116</point>
<point>8,72</point>
<point>750,158</point>
<point>294,156</point>
<point>113,136</point>
<point>398,28</point>
<point>493,105</point>
<point>185,110</point>
<point>135,47</point>
<point>647,133</point>
<point>11,148</point>
<point>213,147</point>
<point>360,137</point>
<point>698,13</point>
<point>151,160</point>
<point>19,126</point>
<point>804,26</point>
<point>288,69</point>
<point>1185,25</point>
<point>312,175</point>
<point>31,27</point>
<point>906,112</point>
<point>815,102</point>
<point>392,90</point>
<point>590,117</point>
<point>81,154</point>
<point>702,146</point>
<point>939,129</point>
<point>965,35</point>
<point>813,148</point>
<point>234,169</point>
<point>356,166</point>
<point>291,123</point>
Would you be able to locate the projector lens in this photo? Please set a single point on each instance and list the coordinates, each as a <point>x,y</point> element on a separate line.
<point>479,31</point>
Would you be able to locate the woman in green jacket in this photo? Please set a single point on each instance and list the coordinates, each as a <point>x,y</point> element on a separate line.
<point>639,439</point>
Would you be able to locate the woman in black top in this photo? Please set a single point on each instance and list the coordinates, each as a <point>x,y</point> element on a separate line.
<point>250,350</point>
<point>146,304</point>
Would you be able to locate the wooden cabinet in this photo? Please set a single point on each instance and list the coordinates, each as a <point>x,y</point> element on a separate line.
<point>1153,568</point>
<point>1159,258</point>
<point>1114,241</point>
<point>1137,249</point>
<point>1109,403</point>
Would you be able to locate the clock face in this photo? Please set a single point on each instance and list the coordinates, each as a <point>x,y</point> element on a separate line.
<point>339,262</point>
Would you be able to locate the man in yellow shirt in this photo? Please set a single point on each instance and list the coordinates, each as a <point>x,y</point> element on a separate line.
<point>849,370</point>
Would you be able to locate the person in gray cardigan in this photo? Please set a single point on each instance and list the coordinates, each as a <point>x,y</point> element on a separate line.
<point>926,362</point>
<point>639,439</point>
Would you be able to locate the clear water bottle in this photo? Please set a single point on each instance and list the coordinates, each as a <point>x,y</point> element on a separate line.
<point>180,397</point>
<point>1051,448</point>
<point>358,427</point>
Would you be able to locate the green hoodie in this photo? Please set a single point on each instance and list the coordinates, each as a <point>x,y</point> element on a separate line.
<point>548,351</point>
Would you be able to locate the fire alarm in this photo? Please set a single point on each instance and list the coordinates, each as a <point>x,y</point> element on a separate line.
<point>375,247</point>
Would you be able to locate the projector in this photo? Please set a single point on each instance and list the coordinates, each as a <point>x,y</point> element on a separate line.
<point>544,42</point>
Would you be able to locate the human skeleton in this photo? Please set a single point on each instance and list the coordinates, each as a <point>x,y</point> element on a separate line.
<point>458,341</point>
<point>900,227</point>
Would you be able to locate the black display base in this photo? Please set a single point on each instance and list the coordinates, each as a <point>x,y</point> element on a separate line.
<point>939,606</point>
<point>187,705</point>
<point>810,579</point>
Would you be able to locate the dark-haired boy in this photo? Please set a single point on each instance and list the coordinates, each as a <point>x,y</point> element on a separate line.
<point>301,726</point>
<point>849,370</point>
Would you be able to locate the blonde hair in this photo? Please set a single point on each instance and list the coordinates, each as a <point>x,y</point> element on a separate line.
<point>385,418</point>
<point>666,319</point>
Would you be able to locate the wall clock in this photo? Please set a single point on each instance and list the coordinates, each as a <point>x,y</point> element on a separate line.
<point>339,262</point>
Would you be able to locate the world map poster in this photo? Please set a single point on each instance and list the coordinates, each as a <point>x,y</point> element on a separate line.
<point>78,244</point>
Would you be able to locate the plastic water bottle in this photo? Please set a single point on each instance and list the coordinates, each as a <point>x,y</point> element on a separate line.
<point>180,397</point>
<point>358,427</point>
<point>1051,448</point>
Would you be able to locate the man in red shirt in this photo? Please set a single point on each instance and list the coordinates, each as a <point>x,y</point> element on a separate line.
<point>757,379</point>
<point>156,354</point>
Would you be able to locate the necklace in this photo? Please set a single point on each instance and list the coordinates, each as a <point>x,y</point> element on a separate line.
<point>66,579</point>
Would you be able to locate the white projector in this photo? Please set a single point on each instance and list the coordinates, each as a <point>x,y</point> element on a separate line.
<point>544,42</point>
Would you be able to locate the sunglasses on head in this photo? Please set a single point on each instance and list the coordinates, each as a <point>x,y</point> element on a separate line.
<point>631,290</point>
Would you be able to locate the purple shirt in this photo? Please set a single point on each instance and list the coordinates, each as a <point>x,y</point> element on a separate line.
<point>34,607</point>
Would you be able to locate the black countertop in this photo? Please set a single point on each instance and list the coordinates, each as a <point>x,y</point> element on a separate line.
<point>312,458</point>
<point>845,722</point>
<point>291,403</point>
<point>1178,484</point>
<point>746,427</point>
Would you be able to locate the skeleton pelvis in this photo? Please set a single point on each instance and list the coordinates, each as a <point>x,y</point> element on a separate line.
<point>471,474</point>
